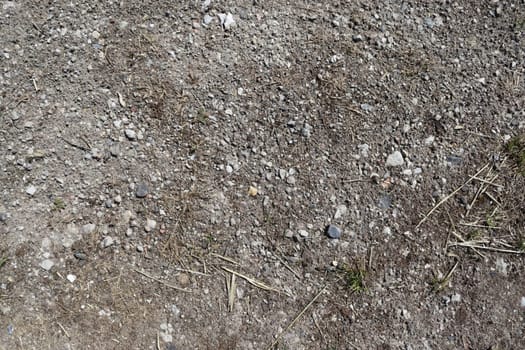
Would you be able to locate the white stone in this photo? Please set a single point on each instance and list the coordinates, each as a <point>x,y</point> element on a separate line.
<point>395,159</point>
<point>87,229</point>
<point>303,233</point>
<point>150,225</point>
<point>130,134</point>
<point>31,190</point>
<point>340,211</point>
<point>107,242</point>
<point>71,278</point>
<point>47,264</point>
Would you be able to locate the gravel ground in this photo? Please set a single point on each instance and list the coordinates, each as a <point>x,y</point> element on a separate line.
<point>262,174</point>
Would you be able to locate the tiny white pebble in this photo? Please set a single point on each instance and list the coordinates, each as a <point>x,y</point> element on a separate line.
<point>71,278</point>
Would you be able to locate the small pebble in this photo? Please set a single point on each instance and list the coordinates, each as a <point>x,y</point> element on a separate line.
<point>340,211</point>
<point>333,232</point>
<point>87,229</point>
<point>140,248</point>
<point>130,134</point>
<point>31,190</point>
<point>80,255</point>
<point>117,199</point>
<point>150,225</point>
<point>3,217</point>
<point>522,301</point>
<point>107,242</point>
<point>108,203</point>
<point>142,190</point>
<point>395,159</point>
<point>47,264</point>
<point>71,278</point>
<point>303,233</point>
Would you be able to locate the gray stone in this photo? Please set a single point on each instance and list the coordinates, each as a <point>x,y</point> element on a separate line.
<point>333,232</point>
<point>80,255</point>
<point>3,217</point>
<point>385,201</point>
<point>142,190</point>
<point>31,190</point>
<point>150,225</point>
<point>108,241</point>
<point>307,130</point>
<point>130,134</point>
<point>303,233</point>
<point>47,264</point>
<point>340,211</point>
<point>395,159</point>
<point>87,229</point>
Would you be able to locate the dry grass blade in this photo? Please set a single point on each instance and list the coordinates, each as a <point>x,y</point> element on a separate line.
<point>161,281</point>
<point>225,258</point>
<point>193,272</point>
<point>277,338</point>
<point>252,281</point>
<point>231,287</point>
<point>450,196</point>
<point>473,245</point>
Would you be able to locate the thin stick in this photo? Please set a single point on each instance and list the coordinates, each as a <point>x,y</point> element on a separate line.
<point>463,240</point>
<point>252,281</point>
<point>500,250</point>
<point>161,281</point>
<point>468,224</point>
<point>225,258</point>
<point>296,318</point>
<point>158,341</point>
<point>193,272</point>
<point>63,329</point>
<point>286,265</point>
<point>232,287</point>
<point>449,196</point>
<point>318,328</point>
<point>489,182</point>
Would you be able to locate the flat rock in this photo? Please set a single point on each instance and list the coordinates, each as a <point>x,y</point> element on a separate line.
<point>333,232</point>
<point>47,264</point>
<point>150,225</point>
<point>395,159</point>
<point>130,134</point>
<point>142,190</point>
<point>31,190</point>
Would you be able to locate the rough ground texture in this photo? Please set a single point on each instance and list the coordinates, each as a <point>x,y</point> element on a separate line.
<point>150,154</point>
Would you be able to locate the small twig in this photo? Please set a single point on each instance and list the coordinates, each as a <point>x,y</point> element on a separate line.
<point>225,258</point>
<point>296,318</point>
<point>449,196</point>
<point>34,84</point>
<point>231,287</point>
<point>252,281</point>
<point>72,144</point>
<point>287,266</point>
<point>63,330</point>
<point>489,182</point>
<point>463,240</point>
<point>500,250</point>
<point>161,281</point>
<point>192,272</point>
<point>318,328</point>
<point>158,341</point>
<point>480,226</point>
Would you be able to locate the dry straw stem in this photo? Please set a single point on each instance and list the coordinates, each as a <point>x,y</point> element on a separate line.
<point>231,287</point>
<point>278,337</point>
<point>231,261</point>
<point>475,245</point>
<point>252,281</point>
<point>161,281</point>
<point>450,196</point>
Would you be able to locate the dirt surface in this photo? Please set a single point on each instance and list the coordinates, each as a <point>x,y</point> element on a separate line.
<point>167,180</point>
